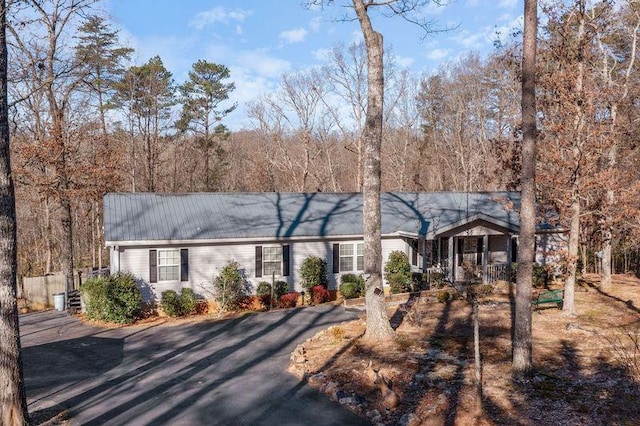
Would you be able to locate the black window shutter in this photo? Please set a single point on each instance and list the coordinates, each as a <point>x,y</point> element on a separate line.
<point>415,246</point>
<point>184,265</point>
<point>480,248</point>
<point>258,261</point>
<point>336,258</point>
<point>153,266</point>
<point>285,260</point>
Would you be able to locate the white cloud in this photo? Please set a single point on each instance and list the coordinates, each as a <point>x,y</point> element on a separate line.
<point>485,36</point>
<point>470,40</point>
<point>239,29</point>
<point>507,4</point>
<point>437,54</point>
<point>293,36</point>
<point>218,14</point>
<point>261,63</point>
<point>321,55</point>
<point>315,24</point>
<point>356,36</point>
<point>404,61</point>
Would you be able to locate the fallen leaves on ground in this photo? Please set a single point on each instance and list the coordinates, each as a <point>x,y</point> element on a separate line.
<point>587,366</point>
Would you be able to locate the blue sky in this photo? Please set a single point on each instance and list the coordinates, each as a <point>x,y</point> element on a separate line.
<point>259,40</point>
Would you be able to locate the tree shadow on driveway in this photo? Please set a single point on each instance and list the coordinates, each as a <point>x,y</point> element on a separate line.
<point>224,372</point>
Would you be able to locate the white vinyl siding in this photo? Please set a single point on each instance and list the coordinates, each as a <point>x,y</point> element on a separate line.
<point>206,262</point>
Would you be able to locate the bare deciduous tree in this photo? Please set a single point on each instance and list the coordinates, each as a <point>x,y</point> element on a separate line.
<point>13,403</point>
<point>522,352</point>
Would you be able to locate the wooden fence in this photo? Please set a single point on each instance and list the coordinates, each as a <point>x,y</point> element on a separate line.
<point>39,291</point>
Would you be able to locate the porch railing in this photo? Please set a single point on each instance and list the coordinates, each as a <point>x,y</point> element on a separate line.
<point>497,272</point>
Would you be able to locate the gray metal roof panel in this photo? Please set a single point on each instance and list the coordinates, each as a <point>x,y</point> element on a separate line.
<point>206,216</point>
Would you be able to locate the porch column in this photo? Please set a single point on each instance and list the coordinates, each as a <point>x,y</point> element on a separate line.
<point>508,268</point>
<point>485,258</point>
<point>423,238</point>
<point>451,260</point>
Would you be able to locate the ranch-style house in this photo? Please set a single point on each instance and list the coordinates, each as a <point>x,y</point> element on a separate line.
<point>171,241</point>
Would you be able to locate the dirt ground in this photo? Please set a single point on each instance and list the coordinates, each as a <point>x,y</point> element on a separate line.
<point>587,366</point>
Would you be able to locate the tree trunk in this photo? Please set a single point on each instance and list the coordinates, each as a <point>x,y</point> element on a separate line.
<point>13,403</point>
<point>476,355</point>
<point>66,248</point>
<point>48,268</point>
<point>572,255</point>
<point>378,326</point>
<point>568,305</point>
<point>522,352</point>
<point>605,278</point>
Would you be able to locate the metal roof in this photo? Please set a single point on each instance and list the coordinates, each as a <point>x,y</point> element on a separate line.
<point>131,217</point>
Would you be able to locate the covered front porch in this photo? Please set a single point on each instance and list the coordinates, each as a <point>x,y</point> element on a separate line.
<point>479,250</point>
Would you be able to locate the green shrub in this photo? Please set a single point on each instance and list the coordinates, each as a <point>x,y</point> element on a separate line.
<point>358,280</point>
<point>351,286</point>
<point>230,287</point>
<point>177,305</point>
<point>263,289</point>
<point>540,276</point>
<point>319,295</point>
<point>170,303</point>
<point>313,272</point>
<point>398,272</point>
<point>349,290</point>
<point>263,292</point>
<point>280,288</point>
<point>188,301</point>
<point>115,298</point>
<point>94,294</point>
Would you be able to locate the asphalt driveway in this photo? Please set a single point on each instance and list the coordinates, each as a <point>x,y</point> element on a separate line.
<point>213,373</point>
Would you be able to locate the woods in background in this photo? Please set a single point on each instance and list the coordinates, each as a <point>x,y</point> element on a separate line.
<point>85,120</point>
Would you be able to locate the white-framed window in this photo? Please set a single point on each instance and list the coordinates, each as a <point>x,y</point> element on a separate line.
<point>271,260</point>
<point>351,257</point>
<point>169,265</point>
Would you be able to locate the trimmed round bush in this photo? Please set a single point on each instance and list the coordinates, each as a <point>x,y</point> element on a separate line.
<point>349,290</point>
<point>263,289</point>
<point>170,303</point>
<point>356,280</point>
<point>115,298</point>
<point>313,272</point>
<point>280,288</point>
<point>398,272</point>
<point>188,301</point>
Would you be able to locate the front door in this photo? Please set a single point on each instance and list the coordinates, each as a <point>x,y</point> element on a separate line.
<point>469,258</point>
